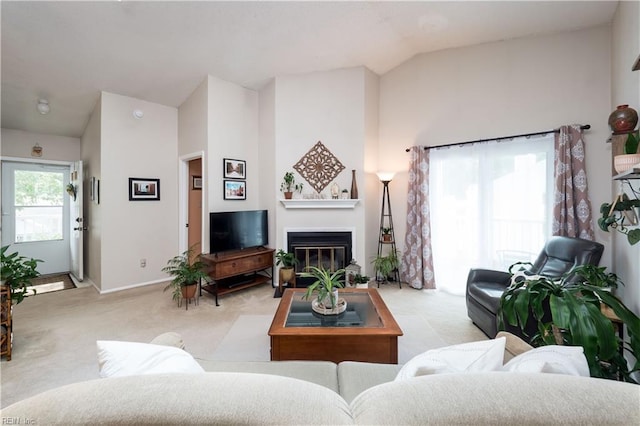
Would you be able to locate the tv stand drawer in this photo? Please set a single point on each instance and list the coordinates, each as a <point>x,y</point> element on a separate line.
<point>242,266</point>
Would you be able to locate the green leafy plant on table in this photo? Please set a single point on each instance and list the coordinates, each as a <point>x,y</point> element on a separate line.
<point>185,271</point>
<point>17,273</point>
<point>325,284</point>
<point>575,303</point>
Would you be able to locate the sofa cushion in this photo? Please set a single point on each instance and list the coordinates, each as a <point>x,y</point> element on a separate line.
<point>551,359</point>
<point>514,346</point>
<point>170,338</point>
<point>117,359</point>
<point>355,377</point>
<point>485,355</point>
<point>173,399</point>
<point>487,294</point>
<point>323,373</point>
<point>498,398</point>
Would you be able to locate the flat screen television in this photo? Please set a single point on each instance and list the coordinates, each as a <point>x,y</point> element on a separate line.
<point>237,230</point>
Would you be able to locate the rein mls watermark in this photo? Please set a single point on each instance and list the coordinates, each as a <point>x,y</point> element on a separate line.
<point>18,421</point>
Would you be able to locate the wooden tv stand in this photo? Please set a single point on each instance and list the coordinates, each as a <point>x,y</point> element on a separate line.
<point>236,270</point>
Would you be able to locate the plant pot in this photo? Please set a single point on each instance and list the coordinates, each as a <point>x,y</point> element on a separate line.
<point>288,195</point>
<point>386,238</point>
<point>625,162</point>
<point>329,300</point>
<point>287,274</point>
<point>189,291</point>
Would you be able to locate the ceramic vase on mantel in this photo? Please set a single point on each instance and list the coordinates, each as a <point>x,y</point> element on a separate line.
<point>354,186</point>
<point>623,119</point>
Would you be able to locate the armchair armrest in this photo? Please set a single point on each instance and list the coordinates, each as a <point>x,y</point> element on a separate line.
<point>488,275</point>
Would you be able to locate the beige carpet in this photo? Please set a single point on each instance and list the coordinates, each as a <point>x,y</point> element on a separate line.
<point>55,333</point>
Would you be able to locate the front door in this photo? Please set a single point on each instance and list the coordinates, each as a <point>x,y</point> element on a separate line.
<point>77,225</point>
<point>35,213</point>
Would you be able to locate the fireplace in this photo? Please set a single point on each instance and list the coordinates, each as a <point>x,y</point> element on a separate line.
<point>331,250</point>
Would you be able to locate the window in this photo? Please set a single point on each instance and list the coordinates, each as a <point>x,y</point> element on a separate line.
<point>39,202</point>
<point>491,206</point>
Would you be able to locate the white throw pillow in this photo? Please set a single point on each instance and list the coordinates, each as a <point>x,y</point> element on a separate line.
<point>117,359</point>
<point>551,359</point>
<point>485,355</point>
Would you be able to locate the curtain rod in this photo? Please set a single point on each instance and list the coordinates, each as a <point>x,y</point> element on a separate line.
<point>582,127</point>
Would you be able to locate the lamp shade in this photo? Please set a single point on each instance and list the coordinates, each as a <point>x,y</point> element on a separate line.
<point>385,176</point>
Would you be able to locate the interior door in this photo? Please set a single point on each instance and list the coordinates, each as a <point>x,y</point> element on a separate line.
<point>35,213</point>
<point>77,225</point>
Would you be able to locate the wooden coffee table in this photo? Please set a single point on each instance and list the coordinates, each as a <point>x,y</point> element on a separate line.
<point>366,331</point>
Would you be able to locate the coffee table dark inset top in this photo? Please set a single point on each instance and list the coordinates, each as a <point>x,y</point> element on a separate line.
<point>366,331</point>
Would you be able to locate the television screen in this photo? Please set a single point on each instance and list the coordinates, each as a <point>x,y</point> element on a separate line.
<point>237,230</point>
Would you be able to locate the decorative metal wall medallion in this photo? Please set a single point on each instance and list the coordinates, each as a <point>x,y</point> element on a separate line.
<point>319,167</point>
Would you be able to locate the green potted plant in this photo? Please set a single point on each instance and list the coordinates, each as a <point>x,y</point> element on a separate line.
<point>618,215</point>
<point>385,265</point>
<point>326,284</point>
<point>575,303</point>
<point>386,235</point>
<point>186,273</point>
<point>289,185</point>
<point>287,262</point>
<point>361,279</point>
<point>17,273</point>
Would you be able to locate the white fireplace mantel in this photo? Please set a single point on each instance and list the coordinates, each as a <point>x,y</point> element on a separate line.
<point>302,203</point>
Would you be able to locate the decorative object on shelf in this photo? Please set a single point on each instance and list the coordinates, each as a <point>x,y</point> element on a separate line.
<point>234,169</point>
<point>623,119</point>
<point>36,151</point>
<point>235,189</point>
<point>196,182</point>
<point>344,195</point>
<point>621,214</point>
<point>575,305</point>
<point>354,186</point>
<point>351,271</point>
<point>71,190</point>
<point>631,156</point>
<point>319,167</point>
<point>386,236</point>
<point>187,272</point>
<point>335,191</point>
<point>17,273</point>
<point>326,284</point>
<point>289,185</point>
<point>142,189</point>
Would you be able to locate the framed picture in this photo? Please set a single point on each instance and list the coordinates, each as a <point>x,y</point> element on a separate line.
<point>235,190</point>
<point>196,182</point>
<point>234,169</point>
<point>142,189</point>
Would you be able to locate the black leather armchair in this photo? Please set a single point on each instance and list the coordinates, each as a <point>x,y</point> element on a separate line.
<point>485,287</point>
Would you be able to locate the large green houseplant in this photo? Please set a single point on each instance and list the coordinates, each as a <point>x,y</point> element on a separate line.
<point>574,303</point>
<point>326,284</point>
<point>186,272</point>
<point>17,273</point>
<point>287,262</point>
<point>385,265</point>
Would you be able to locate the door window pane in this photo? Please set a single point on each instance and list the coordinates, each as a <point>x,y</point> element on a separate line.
<point>39,202</point>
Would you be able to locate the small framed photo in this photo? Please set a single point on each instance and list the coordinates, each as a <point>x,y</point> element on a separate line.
<point>142,189</point>
<point>234,169</point>
<point>235,190</point>
<point>196,182</point>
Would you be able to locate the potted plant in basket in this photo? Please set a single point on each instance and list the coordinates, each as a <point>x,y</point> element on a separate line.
<point>17,273</point>
<point>614,215</point>
<point>385,265</point>
<point>289,185</point>
<point>326,285</point>
<point>631,156</point>
<point>186,273</point>
<point>575,302</point>
<point>287,262</point>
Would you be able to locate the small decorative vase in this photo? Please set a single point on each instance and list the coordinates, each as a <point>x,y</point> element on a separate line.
<point>354,186</point>
<point>288,195</point>
<point>623,119</point>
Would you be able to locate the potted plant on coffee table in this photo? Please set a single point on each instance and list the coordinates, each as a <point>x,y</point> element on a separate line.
<point>576,302</point>
<point>186,273</point>
<point>326,284</point>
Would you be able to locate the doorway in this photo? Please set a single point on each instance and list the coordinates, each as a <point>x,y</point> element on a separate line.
<point>35,213</point>
<point>192,190</point>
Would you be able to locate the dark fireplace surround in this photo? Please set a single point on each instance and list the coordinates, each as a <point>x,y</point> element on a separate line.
<point>329,249</point>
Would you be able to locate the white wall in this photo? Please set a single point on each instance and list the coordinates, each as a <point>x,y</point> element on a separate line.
<point>268,194</point>
<point>18,143</point>
<point>500,89</point>
<point>134,230</point>
<point>626,90</point>
<point>327,107</point>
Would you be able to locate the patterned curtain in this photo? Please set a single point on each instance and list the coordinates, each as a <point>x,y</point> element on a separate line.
<point>572,207</point>
<point>417,261</point>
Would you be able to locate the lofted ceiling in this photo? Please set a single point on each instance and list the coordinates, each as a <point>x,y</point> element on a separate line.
<point>67,52</point>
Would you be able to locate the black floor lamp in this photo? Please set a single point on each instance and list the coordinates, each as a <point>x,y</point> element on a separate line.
<point>386,237</point>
